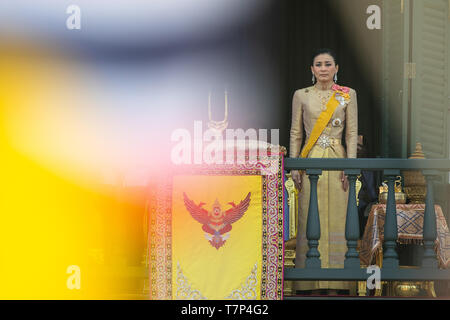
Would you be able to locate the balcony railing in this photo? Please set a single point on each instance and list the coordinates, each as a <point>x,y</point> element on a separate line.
<point>428,271</point>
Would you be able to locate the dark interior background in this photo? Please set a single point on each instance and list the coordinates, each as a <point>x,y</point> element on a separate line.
<point>286,35</point>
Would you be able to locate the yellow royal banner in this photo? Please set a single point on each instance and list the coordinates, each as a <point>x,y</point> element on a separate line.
<point>216,260</point>
<point>216,232</point>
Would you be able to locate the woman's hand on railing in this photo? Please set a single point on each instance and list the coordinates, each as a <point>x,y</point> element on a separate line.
<point>297,178</point>
<point>344,181</point>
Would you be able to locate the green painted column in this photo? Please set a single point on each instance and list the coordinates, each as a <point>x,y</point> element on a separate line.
<point>429,223</point>
<point>390,257</point>
<point>352,222</point>
<point>313,221</point>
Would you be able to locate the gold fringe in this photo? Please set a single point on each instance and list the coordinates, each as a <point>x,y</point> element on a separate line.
<point>410,241</point>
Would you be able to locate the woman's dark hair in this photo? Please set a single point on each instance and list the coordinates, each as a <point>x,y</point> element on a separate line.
<point>324,51</point>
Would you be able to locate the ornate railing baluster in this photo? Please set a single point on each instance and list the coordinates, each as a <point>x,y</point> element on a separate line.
<point>390,257</point>
<point>390,271</point>
<point>352,222</point>
<point>429,223</point>
<point>313,222</point>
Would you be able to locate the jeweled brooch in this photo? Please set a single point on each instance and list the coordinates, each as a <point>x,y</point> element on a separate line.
<point>324,142</point>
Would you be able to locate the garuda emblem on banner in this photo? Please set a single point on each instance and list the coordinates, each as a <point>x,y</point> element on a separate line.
<point>217,223</point>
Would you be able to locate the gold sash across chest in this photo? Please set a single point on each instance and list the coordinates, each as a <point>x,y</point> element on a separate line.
<point>320,125</point>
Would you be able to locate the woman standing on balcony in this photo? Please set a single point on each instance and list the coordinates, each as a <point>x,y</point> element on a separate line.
<point>325,111</point>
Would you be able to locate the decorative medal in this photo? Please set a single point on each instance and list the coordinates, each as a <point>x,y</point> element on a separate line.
<point>336,122</point>
<point>342,94</point>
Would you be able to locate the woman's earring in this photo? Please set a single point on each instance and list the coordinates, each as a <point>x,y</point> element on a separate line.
<point>313,79</point>
<point>335,77</point>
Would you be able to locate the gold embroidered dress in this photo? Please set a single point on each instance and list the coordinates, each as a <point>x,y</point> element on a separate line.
<point>308,104</point>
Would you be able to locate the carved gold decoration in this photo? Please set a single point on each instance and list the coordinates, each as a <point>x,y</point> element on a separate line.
<point>416,194</point>
<point>415,183</point>
<point>412,288</point>
<point>407,288</point>
<point>362,288</point>
<point>289,256</point>
<point>397,185</point>
<point>400,197</point>
<point>293,205</point>
<point>429,287</point>
<point>248,289</point>
<point>184,291</point>
<point>358,186</point>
